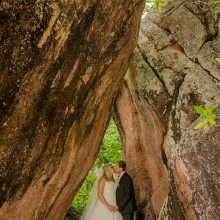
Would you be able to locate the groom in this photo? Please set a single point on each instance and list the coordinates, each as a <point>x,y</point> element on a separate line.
<point>125,198</point>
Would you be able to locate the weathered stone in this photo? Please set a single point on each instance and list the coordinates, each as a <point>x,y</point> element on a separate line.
<point>159,36</point>
<point>181,28</point>
<point>170,68</point>
<point>174,58</point>
<point>207,55</point>
<point>149,50</point>
<point>196,172</point>
<point>61,63</point>
<point>142,133</point>
<point>198,88</point>
<point>170,79</point>
<point>172,208</point>
<point>149,84</point>
<point>206,12</point>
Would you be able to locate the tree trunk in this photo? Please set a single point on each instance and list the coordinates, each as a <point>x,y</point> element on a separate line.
<point>61,63</point>
<point>175,167</point>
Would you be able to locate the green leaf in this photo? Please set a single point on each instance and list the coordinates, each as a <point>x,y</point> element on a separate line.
<point>200,110</point>
<point>153,4</point>
<point>217,58</point>
<point>208,110</point>
<point>202,124</point>
<point>91,177</point>
<point>213,108</point>
<point>212,121</point>
<point>212,116</point>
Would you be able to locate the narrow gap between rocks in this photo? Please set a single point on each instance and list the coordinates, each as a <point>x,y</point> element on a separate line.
<point>110,152</point>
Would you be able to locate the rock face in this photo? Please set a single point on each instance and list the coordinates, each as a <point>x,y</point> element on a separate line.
<point>61,63</point>
<point>142,138</point>
<point>175,167</point>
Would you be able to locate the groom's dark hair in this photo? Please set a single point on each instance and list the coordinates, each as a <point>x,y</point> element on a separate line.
<point>122,164</point>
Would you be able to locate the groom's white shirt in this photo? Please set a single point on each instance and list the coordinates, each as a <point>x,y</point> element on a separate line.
<point>120,176</point>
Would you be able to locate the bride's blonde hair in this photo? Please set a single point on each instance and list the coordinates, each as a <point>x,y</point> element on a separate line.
<point>107,174</point>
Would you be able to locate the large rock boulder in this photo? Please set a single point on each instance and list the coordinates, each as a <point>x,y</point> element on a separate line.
<point>61,63</point>
<point>142,133</point>
<point>175,167</point>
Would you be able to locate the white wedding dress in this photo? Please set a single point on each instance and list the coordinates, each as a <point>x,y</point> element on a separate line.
<point>99,211</point>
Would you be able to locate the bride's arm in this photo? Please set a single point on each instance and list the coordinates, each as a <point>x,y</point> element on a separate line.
<point>101,186</point>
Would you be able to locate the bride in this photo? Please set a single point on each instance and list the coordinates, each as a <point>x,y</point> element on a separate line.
<point>103,197</point>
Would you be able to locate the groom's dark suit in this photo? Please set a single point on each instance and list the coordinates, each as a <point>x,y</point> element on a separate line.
<point>125,197</point>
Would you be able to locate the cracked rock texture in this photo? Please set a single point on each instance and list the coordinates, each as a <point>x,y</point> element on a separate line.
<point>176,169</point>
<point>61,63</point>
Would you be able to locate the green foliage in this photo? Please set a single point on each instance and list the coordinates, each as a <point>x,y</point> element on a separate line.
<point>110,152</point>
<point>217,5</point>
<point>82,196</point>
<point>217,60</point>
<point>111,149</point>
<point>207,113</point>
<point>151,5</point>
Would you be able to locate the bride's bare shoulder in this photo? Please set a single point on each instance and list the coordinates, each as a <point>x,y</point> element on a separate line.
<point>103,180</point>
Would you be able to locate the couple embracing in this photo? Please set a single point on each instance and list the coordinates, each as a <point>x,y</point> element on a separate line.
<point>112,198</point>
